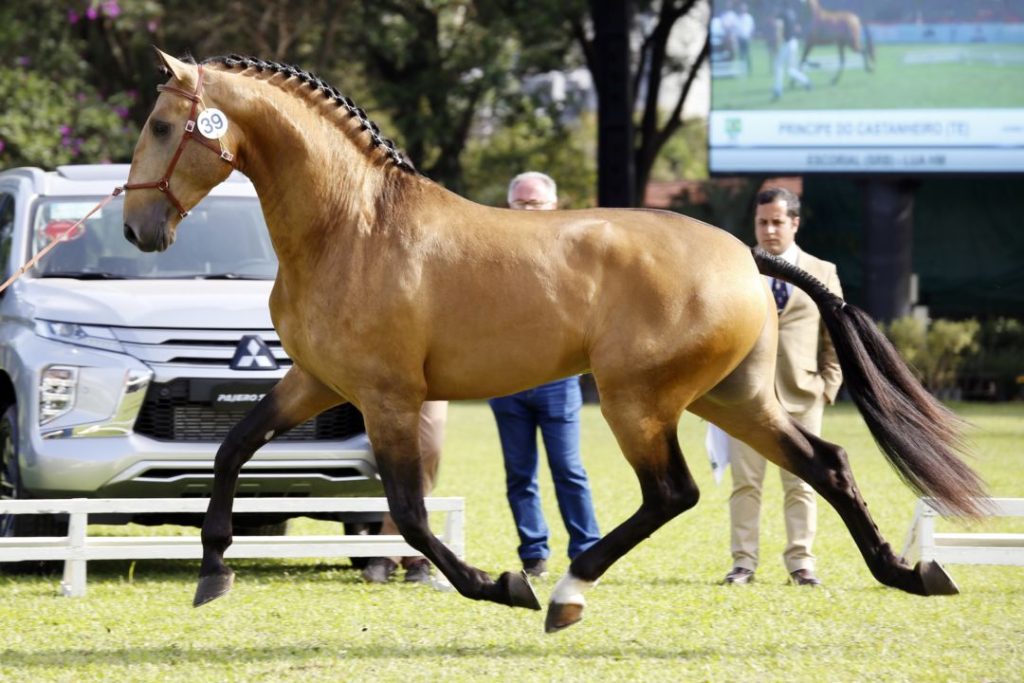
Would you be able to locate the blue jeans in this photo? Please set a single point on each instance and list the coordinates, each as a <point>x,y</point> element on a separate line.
<point>555,409</point>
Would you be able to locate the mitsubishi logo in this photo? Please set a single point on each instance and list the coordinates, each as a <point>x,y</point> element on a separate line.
<point>252,354</point>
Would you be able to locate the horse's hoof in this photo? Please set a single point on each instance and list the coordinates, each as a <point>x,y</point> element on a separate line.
<point>935,579</point>
<point>561,616</point>
<point>212,587</point>
<point>518,591</point>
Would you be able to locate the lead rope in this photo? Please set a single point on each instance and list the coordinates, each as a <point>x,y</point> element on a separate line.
<point>64,237</point>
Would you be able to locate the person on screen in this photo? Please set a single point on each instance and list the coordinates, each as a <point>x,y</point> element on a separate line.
<point>787,32</point>
<point>730,26</point>
<point>744,34</point>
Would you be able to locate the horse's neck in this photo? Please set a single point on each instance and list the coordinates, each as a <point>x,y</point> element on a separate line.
<point>307,170</point>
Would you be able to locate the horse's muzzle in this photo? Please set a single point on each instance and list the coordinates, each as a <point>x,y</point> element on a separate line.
<point>154,239</point>
<point>129,234</point>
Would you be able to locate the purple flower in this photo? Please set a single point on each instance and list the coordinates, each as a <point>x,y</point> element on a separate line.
<point>64,129</point>
<point>2,145</point>
<point>152,25</point>
<point>132,95</point>
<point>81,97</point>
<point>23,61</point>
<point>92,13</point>
<point>111,8</point>
<point>121,112</point>
<point>73,16</point>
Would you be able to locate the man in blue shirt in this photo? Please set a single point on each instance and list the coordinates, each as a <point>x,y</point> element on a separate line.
<point>554,409</point>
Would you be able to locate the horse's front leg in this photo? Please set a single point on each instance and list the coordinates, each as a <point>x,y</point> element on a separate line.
<point>395,437</point>
<point>647,436</point>
<point>295,399</point>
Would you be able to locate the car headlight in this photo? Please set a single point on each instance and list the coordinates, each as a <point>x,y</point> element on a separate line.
<point>93,336</point>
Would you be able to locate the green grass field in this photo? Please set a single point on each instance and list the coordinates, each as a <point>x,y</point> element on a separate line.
<point>657,615</point>
<point>906,77</point>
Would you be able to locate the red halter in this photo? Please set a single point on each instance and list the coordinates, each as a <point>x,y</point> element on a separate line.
<point>164,184</point>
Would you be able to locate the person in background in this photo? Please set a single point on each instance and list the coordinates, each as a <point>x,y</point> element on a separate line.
<point>807,376</point>
<point>554,409</point>
<point>433,418</point>
<point>744,34</point>
<point>787,32</point>
<point>730,26</point>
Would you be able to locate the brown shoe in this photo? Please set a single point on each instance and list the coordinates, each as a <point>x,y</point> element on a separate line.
<point>739,576</point>
<point>536,567</point>
<point>804,577</point>
<point>379,570</point>
<point>418,571</point>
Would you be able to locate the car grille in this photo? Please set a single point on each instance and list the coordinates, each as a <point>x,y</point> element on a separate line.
<point>172,413</point>
<point>173,348</point>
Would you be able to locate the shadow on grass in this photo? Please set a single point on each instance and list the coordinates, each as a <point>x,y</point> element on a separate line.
<point>168,570</point>
<point>387,651</point>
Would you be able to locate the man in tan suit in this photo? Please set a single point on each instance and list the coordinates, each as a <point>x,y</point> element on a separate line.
<point>807,377</point>
<point>433,418</point>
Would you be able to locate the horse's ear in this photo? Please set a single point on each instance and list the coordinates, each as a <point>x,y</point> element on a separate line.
<point>179,69</point>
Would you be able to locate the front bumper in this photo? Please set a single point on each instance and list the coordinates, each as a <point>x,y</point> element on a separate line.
<point>135,466</point>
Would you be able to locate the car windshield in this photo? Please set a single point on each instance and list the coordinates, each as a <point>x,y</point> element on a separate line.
<point>223,237</point>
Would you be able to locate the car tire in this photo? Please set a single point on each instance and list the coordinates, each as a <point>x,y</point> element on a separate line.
<point>20,526</point>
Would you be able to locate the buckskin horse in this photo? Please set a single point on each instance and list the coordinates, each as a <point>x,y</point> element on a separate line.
<point>844,29</point>
<point>392,290</point>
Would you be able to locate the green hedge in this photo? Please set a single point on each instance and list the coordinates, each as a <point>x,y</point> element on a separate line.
<point>965,358</point>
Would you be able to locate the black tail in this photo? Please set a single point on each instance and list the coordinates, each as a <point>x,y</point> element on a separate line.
<point>919,436</point>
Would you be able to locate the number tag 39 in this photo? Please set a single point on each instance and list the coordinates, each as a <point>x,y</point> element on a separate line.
<point>212,124</point>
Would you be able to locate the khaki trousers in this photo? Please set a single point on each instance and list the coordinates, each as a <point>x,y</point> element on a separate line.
<point>433,418</point>
<point>799,506</point>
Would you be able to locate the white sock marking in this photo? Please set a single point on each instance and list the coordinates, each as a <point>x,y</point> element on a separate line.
<point>569,590</point>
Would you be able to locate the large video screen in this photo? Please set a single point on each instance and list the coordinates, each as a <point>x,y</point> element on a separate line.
<point>867,86</point>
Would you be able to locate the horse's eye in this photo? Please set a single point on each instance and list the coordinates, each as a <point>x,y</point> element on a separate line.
<point>160,128</point>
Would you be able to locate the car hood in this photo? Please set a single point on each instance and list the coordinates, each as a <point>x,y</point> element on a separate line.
<point>210,304</point>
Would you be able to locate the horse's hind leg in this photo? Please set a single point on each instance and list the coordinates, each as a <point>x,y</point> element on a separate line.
<point>828,471</point>
<point>295,399</point>
<point>393,426</point>
<point>648,439</point>
<point>842,63</point>
<point>826,468</point>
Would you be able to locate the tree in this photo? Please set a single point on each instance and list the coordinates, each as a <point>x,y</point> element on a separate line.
<point>540,142</point>
<point>432,63</point>
<point>55,110</point>
<point>79,78</point>
<point>655,66</point>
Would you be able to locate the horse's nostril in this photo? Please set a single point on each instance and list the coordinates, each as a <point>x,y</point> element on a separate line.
<point>129,234</point>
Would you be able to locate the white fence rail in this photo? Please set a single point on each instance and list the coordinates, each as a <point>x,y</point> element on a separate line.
<point>78,547</point>
<point>924,543</point>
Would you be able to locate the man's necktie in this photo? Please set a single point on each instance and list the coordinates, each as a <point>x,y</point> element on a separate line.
<point>780,293</point>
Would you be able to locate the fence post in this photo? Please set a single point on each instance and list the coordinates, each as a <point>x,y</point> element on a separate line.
<point>73,583</point>
<point>455,531</point>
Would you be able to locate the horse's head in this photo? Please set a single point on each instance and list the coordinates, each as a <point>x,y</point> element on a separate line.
<point>168,176</point>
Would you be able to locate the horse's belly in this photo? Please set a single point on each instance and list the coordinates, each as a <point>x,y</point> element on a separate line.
<point>469,366</point>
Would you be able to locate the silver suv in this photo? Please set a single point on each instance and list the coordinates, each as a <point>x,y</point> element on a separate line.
<point>121,372</point>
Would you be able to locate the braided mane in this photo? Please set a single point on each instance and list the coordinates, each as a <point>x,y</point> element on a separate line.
<point>316,83</point>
